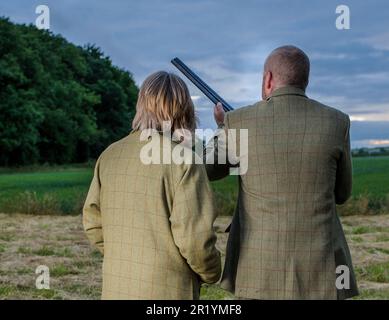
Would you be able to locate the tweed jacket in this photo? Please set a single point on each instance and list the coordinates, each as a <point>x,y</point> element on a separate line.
<point>286,239</point>
<point>153,223</point>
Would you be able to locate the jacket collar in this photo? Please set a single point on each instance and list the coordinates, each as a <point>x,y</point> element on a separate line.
<point>288,90</point>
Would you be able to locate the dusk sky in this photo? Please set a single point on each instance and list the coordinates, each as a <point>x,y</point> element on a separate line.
<point>226,43</point>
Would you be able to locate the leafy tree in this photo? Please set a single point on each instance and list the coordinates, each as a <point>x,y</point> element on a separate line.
<point>59,103</point>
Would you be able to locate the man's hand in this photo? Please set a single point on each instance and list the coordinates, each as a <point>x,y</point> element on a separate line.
<point>218,113</point>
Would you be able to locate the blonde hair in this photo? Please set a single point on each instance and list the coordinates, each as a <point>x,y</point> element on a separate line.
<point>162,97</point>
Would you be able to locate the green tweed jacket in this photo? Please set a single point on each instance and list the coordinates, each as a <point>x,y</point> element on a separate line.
<point>286,239</point>
<point>153,223</point>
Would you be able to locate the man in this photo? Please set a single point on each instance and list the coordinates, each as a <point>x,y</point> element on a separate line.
<point>286,240</point>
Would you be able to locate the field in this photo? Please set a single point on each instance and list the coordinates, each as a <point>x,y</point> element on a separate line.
<point>62,190</point>
<point>27,241</point>
<point>371,176</point>
<point>40,224</point>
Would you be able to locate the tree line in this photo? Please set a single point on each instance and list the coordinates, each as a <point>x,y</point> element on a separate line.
<point>59,103</point>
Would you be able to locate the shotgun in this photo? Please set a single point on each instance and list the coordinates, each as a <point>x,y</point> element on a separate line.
<point>200,84</point>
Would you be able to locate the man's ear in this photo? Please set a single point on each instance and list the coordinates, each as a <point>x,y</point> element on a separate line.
<point>269,80</point>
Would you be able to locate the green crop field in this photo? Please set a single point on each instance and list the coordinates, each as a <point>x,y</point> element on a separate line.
<point>57,191</point>
<point>371,176</point>
<point>63,189</point>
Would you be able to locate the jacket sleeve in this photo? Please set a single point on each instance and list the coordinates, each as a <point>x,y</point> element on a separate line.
<point>192,219</point>
<point>343,185</point>
<point>92,214</point>
<point>217,147</point>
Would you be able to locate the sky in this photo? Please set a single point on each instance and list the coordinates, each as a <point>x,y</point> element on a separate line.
<point>226,43</point>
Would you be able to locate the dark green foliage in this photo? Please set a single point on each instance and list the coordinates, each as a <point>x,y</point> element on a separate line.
<point>59,103</point>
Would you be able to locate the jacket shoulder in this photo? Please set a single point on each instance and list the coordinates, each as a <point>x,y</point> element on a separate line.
<point>235,117</point>
<point>331,111</point>
<point>113,149</point>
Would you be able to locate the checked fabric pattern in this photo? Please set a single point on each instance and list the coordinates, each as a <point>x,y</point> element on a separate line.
<point>154,224</point>
<point>286,239</point>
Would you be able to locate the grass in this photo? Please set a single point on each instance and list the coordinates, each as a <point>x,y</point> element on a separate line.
<point>62,270</point>
<point>62,189</point>
<point>56,238</point>
<point>357,239</point>
<point>377,294</point>
<point>368,229</point>
<point>383,250</point>
<point>382,238</point>
<point>226,193</point>
<point>371,176</point>
<point>374,272</point>
<point>370,189</point>
<point>6,236</point>
<point>214,292</point>
<point>75,267</point>
<point>10,292</point>
<point>45,192</point>
<point>46,251</point>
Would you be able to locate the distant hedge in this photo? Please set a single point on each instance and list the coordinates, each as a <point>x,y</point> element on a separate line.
<point>59,103</point>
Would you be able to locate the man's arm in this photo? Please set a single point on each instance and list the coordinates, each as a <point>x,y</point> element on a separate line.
<point>217,145</point>
<point>192,221</point>
<point>343,183</point>
<point>91,212</point>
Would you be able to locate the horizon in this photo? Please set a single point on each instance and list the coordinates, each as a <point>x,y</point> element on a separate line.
<point>348,67</point>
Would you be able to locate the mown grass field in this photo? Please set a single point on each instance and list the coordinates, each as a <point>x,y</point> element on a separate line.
<point>27,241</point>
<point>40,224</point>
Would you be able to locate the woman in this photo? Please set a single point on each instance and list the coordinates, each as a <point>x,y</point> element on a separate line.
<point>153,222</point>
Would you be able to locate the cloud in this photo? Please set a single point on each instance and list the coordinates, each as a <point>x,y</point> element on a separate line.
<point>379,142</point>
<point>377,41</point>
<point>374,115</point>
<point>195,98</point>
<point>370,143</point>
<point>329,56</point>
<point>227,46</point>
<point>236,87</point>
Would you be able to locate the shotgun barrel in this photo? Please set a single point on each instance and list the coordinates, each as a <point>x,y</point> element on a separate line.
<point>200,84</point>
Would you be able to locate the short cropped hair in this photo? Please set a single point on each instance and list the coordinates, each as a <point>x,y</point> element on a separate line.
<point>163,97</point>
<point>289,66</point>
